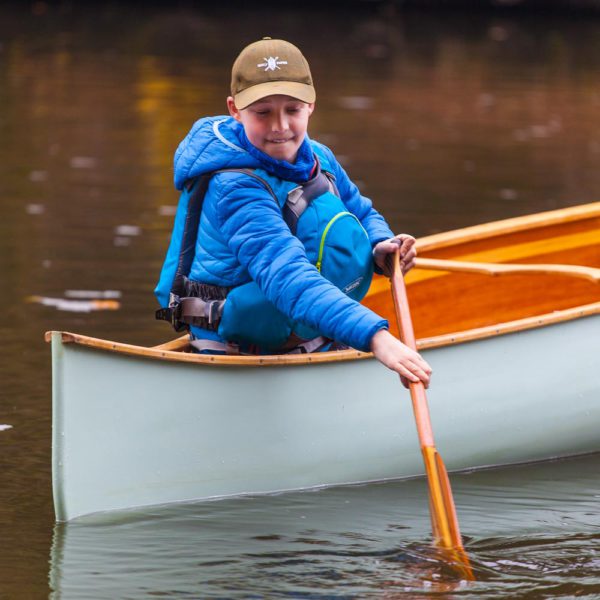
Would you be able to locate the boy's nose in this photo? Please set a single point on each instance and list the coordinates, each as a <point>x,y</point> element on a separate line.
<point>280,122</point>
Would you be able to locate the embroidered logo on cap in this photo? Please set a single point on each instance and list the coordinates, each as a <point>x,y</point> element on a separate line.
<point>271,63</point>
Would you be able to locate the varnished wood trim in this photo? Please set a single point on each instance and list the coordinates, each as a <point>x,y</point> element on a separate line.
<point>167,351</point>
<point>589,273</point>
<point>177,344</point>
<point>161,354</point>
<point>65,336</point>
<point>328,357</point>
<point>506,226</point>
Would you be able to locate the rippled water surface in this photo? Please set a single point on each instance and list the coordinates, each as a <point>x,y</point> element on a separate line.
<point>530,530</point>
<point>444,119</point>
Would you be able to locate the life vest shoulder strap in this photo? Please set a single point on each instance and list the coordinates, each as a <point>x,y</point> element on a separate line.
<point>185,310</point>
<point>299,198</point>
<point>189,306</point>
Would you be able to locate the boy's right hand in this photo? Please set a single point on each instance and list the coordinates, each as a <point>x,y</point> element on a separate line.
<point>400,358</point>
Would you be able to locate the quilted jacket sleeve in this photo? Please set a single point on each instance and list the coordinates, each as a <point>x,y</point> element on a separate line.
<point>251,220</point>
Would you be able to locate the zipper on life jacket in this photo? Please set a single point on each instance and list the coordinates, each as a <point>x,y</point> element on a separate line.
<point>326,231</point>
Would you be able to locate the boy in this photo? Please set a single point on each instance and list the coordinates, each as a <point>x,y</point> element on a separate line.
<point>260,268</point>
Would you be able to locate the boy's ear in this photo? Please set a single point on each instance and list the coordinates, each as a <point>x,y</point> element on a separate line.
<point>233,109</point>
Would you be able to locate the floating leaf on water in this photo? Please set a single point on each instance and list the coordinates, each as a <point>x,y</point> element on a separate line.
<point>122,241</point>
<point>167,210</point>
<point>486,100</point>
<point>82,162</point>
<point>521,135</point>
<point>356,102</point>
<point>70,305</point>
<point>35,209</point>
<point>38,176</point>
<point>128,230</point>
<point>508,194</point>
<point>540,131</point>
<point>80,294</point>
<point>498,33</point>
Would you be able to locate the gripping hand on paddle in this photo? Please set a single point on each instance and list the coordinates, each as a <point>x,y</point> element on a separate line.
<point>408,253</point>
<point>400,358</point>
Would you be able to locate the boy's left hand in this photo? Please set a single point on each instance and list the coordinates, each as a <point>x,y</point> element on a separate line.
<point>408,253</point>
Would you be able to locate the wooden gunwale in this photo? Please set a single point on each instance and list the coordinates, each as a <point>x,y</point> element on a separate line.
<point>448,339</point>
<point>172,350</point>
<point>507,226</point>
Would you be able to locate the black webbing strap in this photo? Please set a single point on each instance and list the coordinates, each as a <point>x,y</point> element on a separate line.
<point>193,311</point>
<point>193,303</point>
<point>300,197</point>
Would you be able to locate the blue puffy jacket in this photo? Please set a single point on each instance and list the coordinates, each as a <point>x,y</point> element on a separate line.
<point>242,234</point>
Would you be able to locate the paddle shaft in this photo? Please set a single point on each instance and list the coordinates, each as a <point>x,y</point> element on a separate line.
<point>441,502</point>
<point>407,335</point>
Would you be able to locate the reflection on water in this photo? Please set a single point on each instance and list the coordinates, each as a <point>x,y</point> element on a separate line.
<point>445,120</point>
<point>529,530</point>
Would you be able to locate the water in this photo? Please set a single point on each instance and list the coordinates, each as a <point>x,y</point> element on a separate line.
<point>445,120</point>
<point>529,530</point>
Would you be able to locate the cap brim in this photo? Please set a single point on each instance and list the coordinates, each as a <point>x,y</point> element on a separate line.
<point>300,91</point>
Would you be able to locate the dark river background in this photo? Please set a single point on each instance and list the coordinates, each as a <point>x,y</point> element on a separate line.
<point>444,118</point>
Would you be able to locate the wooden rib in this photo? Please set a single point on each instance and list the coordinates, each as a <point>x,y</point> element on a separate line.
<point>328,357</point>
<point>507,226</point>
<point>461,266</point>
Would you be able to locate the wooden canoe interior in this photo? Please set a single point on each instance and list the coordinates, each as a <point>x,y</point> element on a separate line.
<point>449,308</point>
<point>443,303</point>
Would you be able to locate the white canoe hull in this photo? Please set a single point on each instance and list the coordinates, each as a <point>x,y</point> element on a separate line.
<point>130,431</point>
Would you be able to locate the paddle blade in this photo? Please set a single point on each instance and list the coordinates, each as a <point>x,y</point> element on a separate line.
<point>443,512</point>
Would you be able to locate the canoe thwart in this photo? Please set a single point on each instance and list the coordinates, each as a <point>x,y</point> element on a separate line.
<point>437,264</point>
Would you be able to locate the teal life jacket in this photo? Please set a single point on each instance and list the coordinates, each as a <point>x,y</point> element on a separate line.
<point>335,242</point>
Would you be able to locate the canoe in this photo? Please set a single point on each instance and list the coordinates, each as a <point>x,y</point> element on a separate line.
<point>514,344</point>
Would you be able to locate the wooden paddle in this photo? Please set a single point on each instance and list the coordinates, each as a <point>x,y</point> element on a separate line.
<point>444,521</point>
<point>438,264</point>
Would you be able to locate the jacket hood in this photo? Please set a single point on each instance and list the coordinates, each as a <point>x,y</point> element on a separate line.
<point>220,143</point>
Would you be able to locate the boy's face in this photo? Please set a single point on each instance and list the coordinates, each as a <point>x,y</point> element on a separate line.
<point>275,124</point>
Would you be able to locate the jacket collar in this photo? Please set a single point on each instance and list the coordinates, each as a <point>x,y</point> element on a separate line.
<point>298,172</point>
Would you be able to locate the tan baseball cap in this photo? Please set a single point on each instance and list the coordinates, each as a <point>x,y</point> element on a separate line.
<point>270,67</point>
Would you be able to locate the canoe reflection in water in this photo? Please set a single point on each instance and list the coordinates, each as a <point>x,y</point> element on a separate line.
<point>528,528</point>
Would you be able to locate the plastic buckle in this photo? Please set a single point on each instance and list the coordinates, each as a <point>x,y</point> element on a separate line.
<point>212,310</point>
<point>163,314</point>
